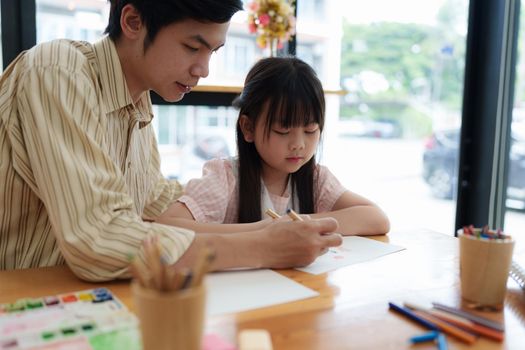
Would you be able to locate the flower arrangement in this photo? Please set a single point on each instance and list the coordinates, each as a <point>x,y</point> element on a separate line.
<point>273,22</point>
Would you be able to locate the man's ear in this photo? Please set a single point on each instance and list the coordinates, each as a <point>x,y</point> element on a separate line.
<point>247,128</point>
<point>131,22</point>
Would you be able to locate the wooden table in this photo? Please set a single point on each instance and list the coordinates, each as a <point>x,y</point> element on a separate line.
<point>352,309</point>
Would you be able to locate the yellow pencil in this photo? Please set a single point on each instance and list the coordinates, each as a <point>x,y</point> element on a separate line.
<point>140,273</point>
<point>293,215</point>
<point>152,254</point>
<point>177,281</point>
<point>202,266</point>
<point>271,213</point>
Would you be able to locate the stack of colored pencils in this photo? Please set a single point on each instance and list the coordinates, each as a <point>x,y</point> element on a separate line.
<point>157,274</point>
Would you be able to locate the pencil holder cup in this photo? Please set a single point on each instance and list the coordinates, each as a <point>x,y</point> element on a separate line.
<point>172,319</point>
<point>484,266</point>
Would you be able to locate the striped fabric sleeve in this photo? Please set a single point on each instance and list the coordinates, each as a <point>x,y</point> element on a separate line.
<point>83,192</point>
<point>207,198</point>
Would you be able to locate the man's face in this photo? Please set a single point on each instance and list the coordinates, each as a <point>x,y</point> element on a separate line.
<point>179,56</point>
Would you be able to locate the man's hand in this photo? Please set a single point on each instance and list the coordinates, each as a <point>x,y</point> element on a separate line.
<point>297,243</point>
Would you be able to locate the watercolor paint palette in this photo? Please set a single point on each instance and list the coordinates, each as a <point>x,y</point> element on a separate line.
<point>92,319</point>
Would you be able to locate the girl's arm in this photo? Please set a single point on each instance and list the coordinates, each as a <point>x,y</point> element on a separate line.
<point>357,216</point>
<point>179,215</point>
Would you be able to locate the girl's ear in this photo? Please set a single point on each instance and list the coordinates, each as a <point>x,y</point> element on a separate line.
<point>247,128</point>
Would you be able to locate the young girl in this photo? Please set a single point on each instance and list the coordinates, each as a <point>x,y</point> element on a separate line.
<point>281,118</point>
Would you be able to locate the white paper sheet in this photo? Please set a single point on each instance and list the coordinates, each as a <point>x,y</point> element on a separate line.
<point>353,250</point>
<point>235,291</point>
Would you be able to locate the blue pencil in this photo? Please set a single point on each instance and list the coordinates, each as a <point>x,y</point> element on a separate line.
<point>442,342</point>
<point>432,335</point>
<point>406,312</point>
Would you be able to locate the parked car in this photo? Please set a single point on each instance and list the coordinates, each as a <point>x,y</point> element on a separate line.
<point>377,128</point>
<point>440,162</point>
<point>214,146</point>
<point>185,163</point>
<point>440,166</point>
<point>384,128</point>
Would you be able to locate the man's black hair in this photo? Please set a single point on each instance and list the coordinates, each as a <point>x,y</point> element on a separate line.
<point>157,14</point>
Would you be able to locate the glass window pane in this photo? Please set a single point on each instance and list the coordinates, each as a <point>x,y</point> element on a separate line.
<point>71,19</point>
<point>230,64</point>
<point>393,137</point>
<point>515,214</point>
<point>189,135</point>
<point>87,19</point>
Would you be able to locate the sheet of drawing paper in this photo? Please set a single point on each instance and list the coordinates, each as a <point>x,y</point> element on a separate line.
<point>242,290</point>
<point>353,250</point>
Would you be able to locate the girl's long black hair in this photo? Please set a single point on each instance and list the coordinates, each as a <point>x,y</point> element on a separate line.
<point>292,94</point>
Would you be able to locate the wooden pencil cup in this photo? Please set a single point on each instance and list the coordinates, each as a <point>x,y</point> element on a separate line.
<point>484,270</point>
<point>170,320</point>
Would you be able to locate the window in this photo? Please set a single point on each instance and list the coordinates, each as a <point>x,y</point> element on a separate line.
<point>71,19</point>
<point>515,214</point>
<point>400,65</point>
<point>190,135</point>
<point>232,62</point>
<point>393,137</point>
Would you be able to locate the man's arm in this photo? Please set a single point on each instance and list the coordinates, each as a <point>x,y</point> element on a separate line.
<point>279,245</point>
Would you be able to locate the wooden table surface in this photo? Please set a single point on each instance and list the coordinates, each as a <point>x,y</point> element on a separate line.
<point>351,311</point>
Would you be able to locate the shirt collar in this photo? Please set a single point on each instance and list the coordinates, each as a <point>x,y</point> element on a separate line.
<point>115,91</point>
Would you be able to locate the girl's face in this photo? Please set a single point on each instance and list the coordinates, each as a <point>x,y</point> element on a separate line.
<point>284,150</point>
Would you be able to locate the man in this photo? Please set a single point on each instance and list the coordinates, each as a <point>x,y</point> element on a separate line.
<point>79,164</point>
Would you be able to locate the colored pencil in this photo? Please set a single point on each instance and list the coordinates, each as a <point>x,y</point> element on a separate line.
<point>271,213</point>
<point>158,274</point>
<point>411,315</point>
<point>442,342</point>
<point>295,217</point>
<point>460,322</point>
<point>470,316</point>
<point>447,327</point>
<point>428,336</point>
<point>139,271</point>
<point>202,265</point>
<point>153,259</point>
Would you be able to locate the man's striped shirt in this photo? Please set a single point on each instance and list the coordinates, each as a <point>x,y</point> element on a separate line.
<point>79,164</point>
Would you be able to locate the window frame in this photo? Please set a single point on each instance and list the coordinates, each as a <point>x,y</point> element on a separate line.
<point>490,69</point>
<point>19,25</point>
